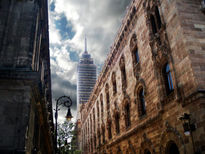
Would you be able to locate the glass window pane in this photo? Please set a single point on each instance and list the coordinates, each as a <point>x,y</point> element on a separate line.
<point>142,101</point>
<point>167,68</point>
<point>170,81</point>
<point>137,56</point>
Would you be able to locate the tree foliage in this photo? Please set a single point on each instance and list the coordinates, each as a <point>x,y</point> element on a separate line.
<point>67,138</point>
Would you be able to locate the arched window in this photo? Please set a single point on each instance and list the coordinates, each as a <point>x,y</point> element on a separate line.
<point>91,124</point>
<point>156,20</point>
<point>95,142</point>
<point>154,27</point>
<point>99,138</point>
<point>91,145</point>
<point>117,123</point>
<point>168,79</point>
<point>107,98</point>
<point>123,72</point>
<point>102,107</point>
<point>159,23</point>
<point>114,84</point>
<point>172,148</point>
<point>94,119</point>
<point>127,115</point>
<point>142,108</point>
<point>137,58</point>
<point>98,111</point>
<point>109,129</point>
<point>147,151</point>
<point>103,133</point>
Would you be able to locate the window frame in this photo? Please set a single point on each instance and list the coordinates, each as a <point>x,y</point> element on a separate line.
<point>142,103</point>
<point>114,83</point>
<point>109,130</point>
<point>155,19</point>
<point>117,123</point>
<point>168,80</point>
<point>123,73</point>
<point>137,57</point>
<point>127,115</point>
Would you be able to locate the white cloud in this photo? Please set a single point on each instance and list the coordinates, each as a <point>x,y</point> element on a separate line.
<point>99,20</point>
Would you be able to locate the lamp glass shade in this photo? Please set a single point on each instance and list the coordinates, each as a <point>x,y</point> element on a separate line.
<point>187,133</point>
<point>69,115</point>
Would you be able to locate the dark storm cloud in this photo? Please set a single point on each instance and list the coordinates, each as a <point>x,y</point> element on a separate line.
<point>62,87</point>
<point>70,20</point>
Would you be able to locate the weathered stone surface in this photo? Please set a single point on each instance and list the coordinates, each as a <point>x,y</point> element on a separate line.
<point>26,124</point>
<point>178,41</point>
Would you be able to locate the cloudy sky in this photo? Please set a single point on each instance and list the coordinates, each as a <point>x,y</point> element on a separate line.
<point>69,21</point>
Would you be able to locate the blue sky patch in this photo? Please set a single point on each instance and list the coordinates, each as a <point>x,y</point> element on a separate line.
<point>74,56</point>
<point>52,6</point>
<point>65,27</point>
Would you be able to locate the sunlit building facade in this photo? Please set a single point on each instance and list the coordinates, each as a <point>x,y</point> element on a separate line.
<point>150,95</point>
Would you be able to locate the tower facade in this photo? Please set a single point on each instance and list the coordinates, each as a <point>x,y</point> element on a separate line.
<point>86,76</point>
<point>26,125</point>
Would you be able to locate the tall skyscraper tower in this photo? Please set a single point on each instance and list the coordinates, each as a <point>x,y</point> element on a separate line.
<point>86,76</point>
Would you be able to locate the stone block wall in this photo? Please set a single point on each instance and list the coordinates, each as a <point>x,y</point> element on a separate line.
<point>18,25</point>
<point>25,82</point>
<point>176,42</point>
<point>14,113</point>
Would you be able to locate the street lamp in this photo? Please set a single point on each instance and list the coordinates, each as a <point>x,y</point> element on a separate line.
<point>69,115</point>
<point>66,102</point>
<point>188,127</point>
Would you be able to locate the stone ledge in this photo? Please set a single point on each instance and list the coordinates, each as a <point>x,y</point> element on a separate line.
<point>134,130</point>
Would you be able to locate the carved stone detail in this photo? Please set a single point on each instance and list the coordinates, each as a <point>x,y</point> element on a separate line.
<point>171,133</point>
<point>133,41</point>
<point>146,144</point>
<point>131,148</point>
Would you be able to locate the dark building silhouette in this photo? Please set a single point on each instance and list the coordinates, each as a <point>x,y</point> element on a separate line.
<point>26,124</point>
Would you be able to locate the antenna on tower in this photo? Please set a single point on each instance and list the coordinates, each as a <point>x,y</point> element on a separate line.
<point>86,44</point>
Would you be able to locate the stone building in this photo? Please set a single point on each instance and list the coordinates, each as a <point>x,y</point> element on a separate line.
<point>150,95</point>
<point>26,124</point>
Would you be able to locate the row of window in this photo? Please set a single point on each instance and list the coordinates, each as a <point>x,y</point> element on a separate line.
<point>141,105</point>
<point>167,77</point>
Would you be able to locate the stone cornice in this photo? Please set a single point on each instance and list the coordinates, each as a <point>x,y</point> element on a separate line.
<point>115,51</point>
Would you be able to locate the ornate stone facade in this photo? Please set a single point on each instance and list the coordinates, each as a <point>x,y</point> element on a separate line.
<point>152,76</point>
<point>26,124</point>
